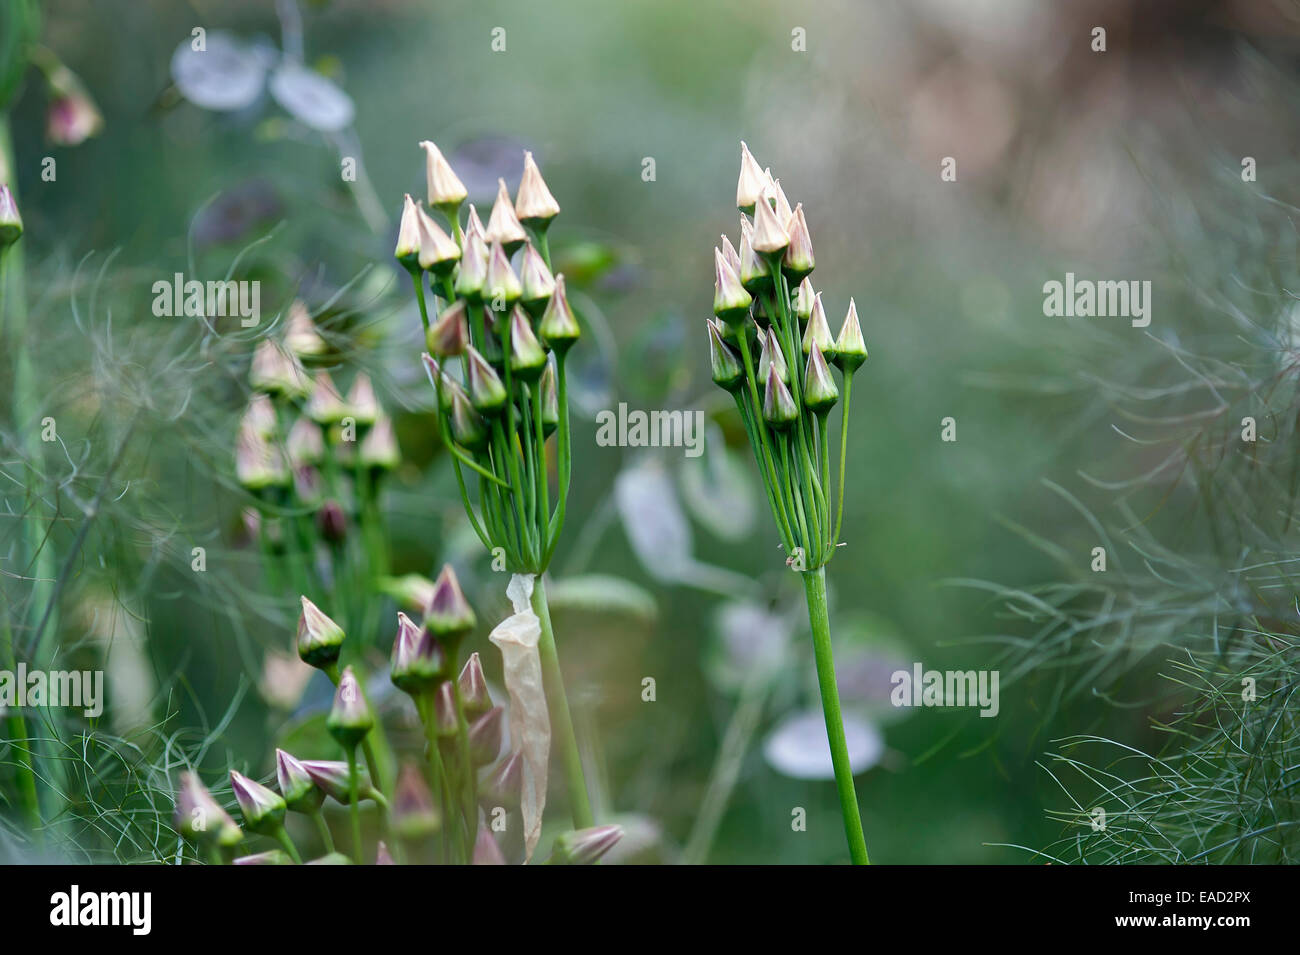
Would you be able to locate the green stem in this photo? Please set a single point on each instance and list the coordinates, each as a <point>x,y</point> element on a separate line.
<point>814,583</point>
<point>844,451</point>
<point>283,835</point>
<point>561,720</point>
<point>355,805</point>
<point>323,828</point>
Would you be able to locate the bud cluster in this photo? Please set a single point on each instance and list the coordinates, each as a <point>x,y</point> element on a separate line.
<point>497,339</point>
<point>771,347</point>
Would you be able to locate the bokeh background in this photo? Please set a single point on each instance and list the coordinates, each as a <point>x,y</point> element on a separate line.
<point>1123,164</point>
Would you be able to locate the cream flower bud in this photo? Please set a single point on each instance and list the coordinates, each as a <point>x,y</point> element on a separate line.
<point>749,188</point>
<point>473,267</point>
<point>486,392</point>
<point>296,786</point>
<point>527,359</point>
<point>772,356</point>
<point>585,846</point>
<point>362,402</point>
<point>770,237</point>
<point>730,300</point>
<point>501,287</point>
<point>798,261</point>
<point>277,371</point>
<point>325,406</point>
<point>473,225</point>
<point>776,196</point>
<point>468,427</point>
<point>819,390</point>
<point>754,272</point>
<point>306,443</point>
<point>779,409</point>
<point>802,301</point>
<point>449,616</point>
<point>818,331</point>
<point>408,236</point>
<point>331,777</point>
<point>536,280</point>
<point>350,718</point>
<point>558,326</point>
<point>503,225</point>
<point>446,191</point>
<point>259,416</point>
<point>474,697</point>
<point>320,639</point>
<point>259,464</point>
<point>379,448</point>
<point>438,251</point>
<point>263,809</point>
<point>723,362</point>
<point>729,251</point>
<point>850,349</point>
<point>300,335</point>
<point>534,204</point>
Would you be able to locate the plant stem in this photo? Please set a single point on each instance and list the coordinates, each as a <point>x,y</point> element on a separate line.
<point>323,828</point>
<point>814,582</point>
<point>561,721</point>
<point>283,835</point>
<point>354,803</point>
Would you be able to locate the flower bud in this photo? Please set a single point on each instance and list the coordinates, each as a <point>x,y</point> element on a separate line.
<point>419,663</point>
<point>410,591</point>
<point>485,736</point>
<point>730,300</point>
<point>550,400</point>
<point>473,267</point>
<point>504,785</point>
<point>331,858</point>
<point>772,356</point>
<point>449,333</point>
<point>819,390</point>
<point>446,722</point>
<point>558,328</point>
<point>486,850</point>
<point>259,416</point>
<point>439,252</point>
<point>307,485</point>
<point>770,237</point>
<point>258,463</point>
<point>325,406</point>
<point>11,223</point>
<point>749,188</point>
<point>362,403</point>
<point>503,225</point>
<point>72,116</point>
<point>413,815</point>
<point>200,818</point>
<point>408,236</point>
<point>270,857</point>
<point>468,427</point>
<point>350,718</point>
<point>449,616</point>
<point>382,855</point>
<point>379,447</point>
<point>473,226</point>
<point>536,281</point>
<point>486,393</point>
<point>776,195</point>
<point>798,261</point>
<point>296,785</point>
<point>300,335</point>
<point>585,846</point>
<point>332,523</point>
<point>727,372</point>
<point>534,204</point>
<point>263,809</point>
<point>729,251</point>
<point>527,359</point>
<point>803,301</point>
<point>446,191</point>
<point>818,331</point>
<point>850,349</point>
<point>755,274</point>
<point>779,409</point>
<point>319,638</point>
<point>277,371</point>
<point>500,286</point>
<point>474,697</point>
<point>331,777</point>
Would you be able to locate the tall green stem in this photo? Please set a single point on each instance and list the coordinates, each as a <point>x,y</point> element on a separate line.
<point>561,720</point>
<point>814,583</point>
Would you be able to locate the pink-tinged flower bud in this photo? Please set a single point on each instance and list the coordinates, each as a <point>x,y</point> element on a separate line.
<point>446,722</point>
<point>585,846</point>
<point>263,809</point>
<point>300,335</point>
<point>350,718</point>
<point>503,226</point>
<point>473,226</point>
<point>331,777</point>
<point>727,371</point>
<point>534,204</point>
<point>755,274</point>
<point>501,287</point>
<point>468,428</point>
<point>474,697</point>
<point>379,450</point>
<point>413,813</point>
<point>802,302</point>
<point>362,403</point>
<point>307,485</point>
<point>850,349</point>
<point>550,399</point>
<point>259,416</point>
<point>558,327</point>
<point>325,406</point>
<point>770,237</point>
<point>504,785</point>
<point>419,663</point>
<point>473,267</point>
<point>200,818</point>
<point>779,409</point>
<point>277,371</point>
<point>486,850</point>
<point>776,196</point>
<point>773,357</point>
<point>412,592</point>
<point>729,251</point>
<point>798,261</point>
<point>449,333</point>
<point>749,188</point>
<point>536,281</point>
<point>730,300</point>
<point>382,855</point>
<point>407,251</point>
<point>270,857</point>
<point>485,736</point>
<point>818,331</point>
<point>296,785</point>
<point>332,523</point>
<point>72,116</point>
<point>527,359</point>
<point>449,616</point>
<point>259,464</point>
<point>331,858</point>
<point>11,223</point>
<point>446,191</point>
<point>486,393</point>
<point>819,390</point>
<point>320,639</point>
<point>439,252</point>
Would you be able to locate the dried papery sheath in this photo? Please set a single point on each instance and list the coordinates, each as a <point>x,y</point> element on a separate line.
<point>474,697</point>
<point>325,406</point>
<point>850,349</point>
<point>502,786</point>
<point>818,331</point>
<point>730,300</point>
<point>320,639</point>
<point>413,813</point>
<point>585,846</point>
<point>263,809</point>
<point>300,335</point>
<point>530,724</point>
<point>379,449</point>
<point>501,286</point>
<point>770,236</point>
<point>527,359</point>
<point>486,392</point>
<point>11,223</point>
<point>362,403</point>
<point>485,737</point>
<point>446,191</point>
<point>819,390</point>
<point>798,260</point>
<point>331,777</point>
<point>503,225</point>
<point>536,280</point>
<point>749,188</point>
<point>296,787</point>
<point>473,267</point>
<point>779,409</point>
<point>725,364</point>
<point>534,204</point>
<point>439,252</point>
<point>350,718</point>
<point>407,251</point>
<point>200,818</point>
